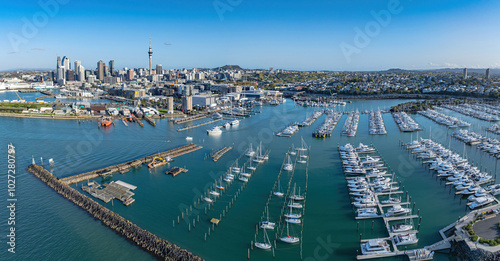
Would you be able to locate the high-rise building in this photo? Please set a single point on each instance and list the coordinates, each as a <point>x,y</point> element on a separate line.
<point>78,64</point>
<point>58,61</point>
<point>159,69</point>
<point>70,75</point>
<point>488,73</point>
<point>465,73</point>
<point>106,71</point>
<point>187,103</point>
<point>150,52</point>
<point>81,74</point>
<point>100,70</point>
<point>170,104</point>
<point>130,75</point>
<point>66,63</point>
<point>112,67</point>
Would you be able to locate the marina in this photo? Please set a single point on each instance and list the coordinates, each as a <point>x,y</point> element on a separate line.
<point>405,122</point>
<point>376,122</point>
<point>327,127</point>
<point>443,119</point>
<point>351,124</point>
<point>246,200</point>
<point>476,111</point>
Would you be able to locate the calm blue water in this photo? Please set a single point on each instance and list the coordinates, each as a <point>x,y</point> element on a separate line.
<point>51,228</point>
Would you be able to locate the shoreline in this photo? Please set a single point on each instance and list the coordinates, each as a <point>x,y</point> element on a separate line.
<point>67,117</point>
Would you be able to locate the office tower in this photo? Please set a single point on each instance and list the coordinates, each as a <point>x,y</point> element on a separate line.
<point>70,75</point>
<point>465,73</point>
<point>112,67</point>
<point>66,63</point>
<point>100,71</point>
<point>488,73</point>
<point>159,69</point>
<point>130,75</point>
<point>106,70</point>
<point>81,73</point>
<point>78,64</point>
<point>150,52</point>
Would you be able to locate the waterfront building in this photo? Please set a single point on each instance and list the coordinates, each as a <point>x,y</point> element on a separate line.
<point>187,103</point>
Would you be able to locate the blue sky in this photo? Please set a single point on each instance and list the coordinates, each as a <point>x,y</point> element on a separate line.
<point>303,35</point>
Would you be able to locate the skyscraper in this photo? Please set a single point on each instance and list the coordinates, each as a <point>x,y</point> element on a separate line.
<point>112,67</point>
<point>100,71</point>
<point>150,52</point>
<point>66,63</point>
<point>488,73</point>
<point>159,69</point>
<point>78,64</point>
<point>465,73</point>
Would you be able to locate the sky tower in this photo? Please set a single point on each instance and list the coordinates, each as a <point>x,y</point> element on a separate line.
<point>150,52</point>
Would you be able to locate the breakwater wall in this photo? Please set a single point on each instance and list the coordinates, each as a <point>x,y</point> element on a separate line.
<point>129,164</point>
<point>141,237</point>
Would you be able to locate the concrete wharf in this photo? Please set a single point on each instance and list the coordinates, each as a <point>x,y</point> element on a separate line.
<point>150,121</point>
<point>198,125</point>
<point>129,164</point>
<point>188,119</point>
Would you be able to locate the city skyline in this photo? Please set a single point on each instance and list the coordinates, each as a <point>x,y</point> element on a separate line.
<point>339,36</point>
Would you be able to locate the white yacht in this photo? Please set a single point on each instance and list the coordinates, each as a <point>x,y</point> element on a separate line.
<point>397,210</point>
<point>288,166</point>
<point>481,202</point>
<point>235,122</point>
<point>214,131</point>
<point>398,228</point>
<point>264,245</point>
<point>406,239</point>
<point>289,239</point>
<point>375,246</point>
<point>367,212</point>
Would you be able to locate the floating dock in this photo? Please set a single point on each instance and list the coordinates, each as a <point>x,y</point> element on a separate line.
<point>216,156</point>
<point>130,164</point>
<point>176,171</point>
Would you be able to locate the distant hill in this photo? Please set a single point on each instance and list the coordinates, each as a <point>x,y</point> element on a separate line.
<point>229,67</point>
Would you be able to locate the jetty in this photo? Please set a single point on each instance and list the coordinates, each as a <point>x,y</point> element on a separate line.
<point>140,122</point>
<point>216,156</point>
<point>188,119</point>
<point>129,164</point>
<point>198,125</point>
<point>148,241</point>
<point>150,121</point>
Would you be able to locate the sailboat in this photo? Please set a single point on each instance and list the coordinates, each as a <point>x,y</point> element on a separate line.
<point>267,224</point>
<point>266,244</point>
<point>245,174</point>
<point>236,169</point>
<point>296,197</point>
<point>289,239</point>
<point>278,193</point>
<point>262,156</point>
<point>303,145</point>
<point>258,158</point>
<point>251,167</point>
<point>292,215</point>
<point>288,166</point>
<point>302,158</point>
<point>250,151</point>
<point>292,151</point>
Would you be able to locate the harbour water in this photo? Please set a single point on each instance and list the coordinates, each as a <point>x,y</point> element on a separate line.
<point>48,227</point>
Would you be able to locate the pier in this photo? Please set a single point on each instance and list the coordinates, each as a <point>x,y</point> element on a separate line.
<point>188,119</point>
<point>198,125</point>
<point>216,156</point>
<point>150,121</point>
<point>146,240</point>
<point>130,164</point>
